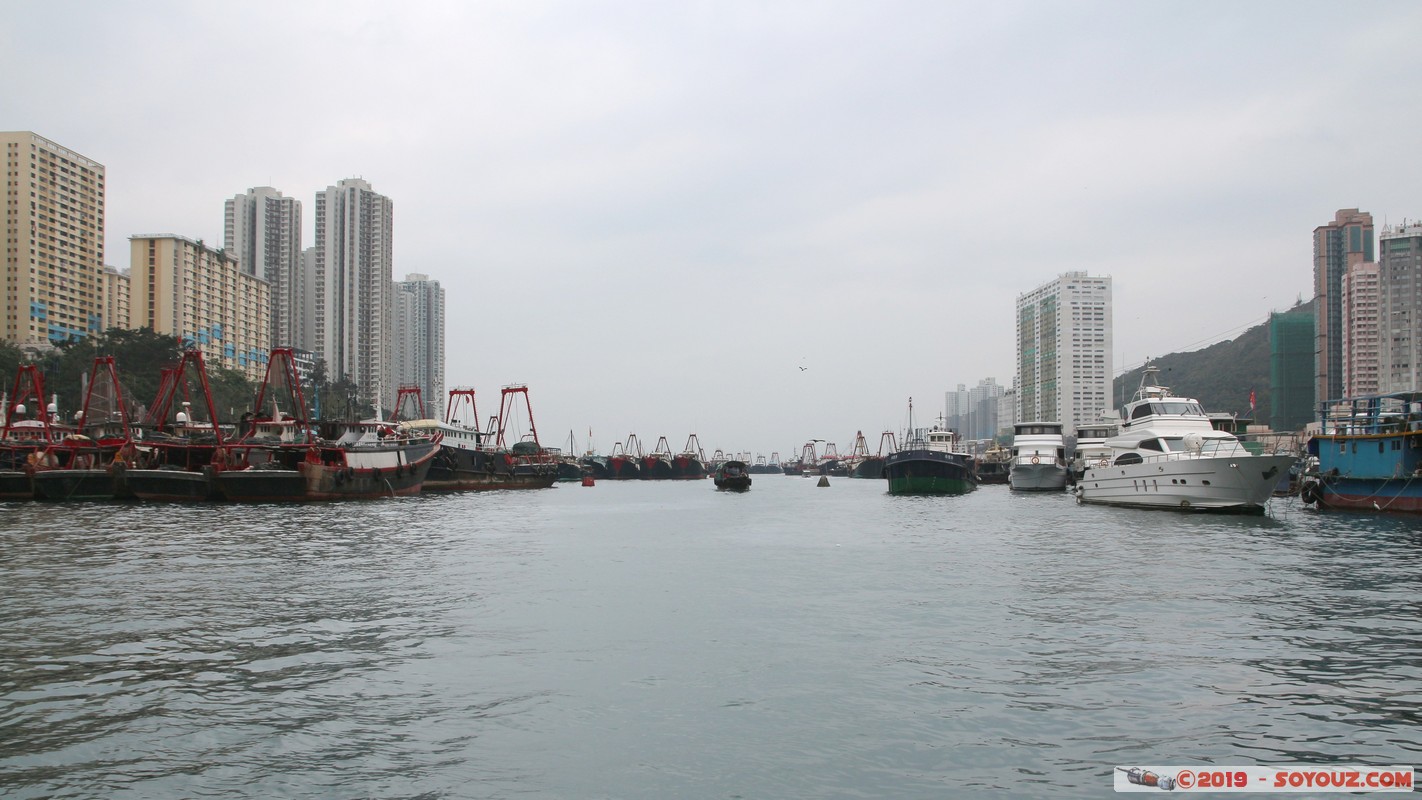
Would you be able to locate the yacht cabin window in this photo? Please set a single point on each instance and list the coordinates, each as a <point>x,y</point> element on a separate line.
<point>1151,444</point>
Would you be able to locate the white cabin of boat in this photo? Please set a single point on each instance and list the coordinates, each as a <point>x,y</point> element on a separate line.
<point>1040,440</point>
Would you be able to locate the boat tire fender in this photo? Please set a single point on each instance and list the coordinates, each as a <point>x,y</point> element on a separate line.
<point>1310,493</point>
<point>340,477</point>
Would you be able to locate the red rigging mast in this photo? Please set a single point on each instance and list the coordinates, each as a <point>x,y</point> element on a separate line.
<point>408,394</point>
<point>807,454</point>
<point>506,408</point>
<point>693,447</point>
<point>104,400</point>
<point>29,386</point>
<point>887,436</point>
<point>461,399</point>
<point>283,384</point>
<point>861,447</point>
<point>175,383</point>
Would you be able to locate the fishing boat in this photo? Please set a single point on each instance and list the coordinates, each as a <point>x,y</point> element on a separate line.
<point>690,463</point>
<point>474,459</point>
<point>278,457</point>
<point>930,462</point>
<point>994,464</point>
<point>24,438</point>
<point>81,465</point>
<point>1367,455</point>
<point>872,466</point>
<point>1168,455</point>
<point>657,465</point>
<point>1038,457</point>
<point>625,461</point>
<point>732,476</point>
<point>174,459</point>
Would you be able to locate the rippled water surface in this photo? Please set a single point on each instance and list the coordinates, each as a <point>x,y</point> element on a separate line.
<point>659,640</point>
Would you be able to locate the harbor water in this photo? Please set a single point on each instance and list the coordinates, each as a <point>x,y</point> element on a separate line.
<point>665,640</point>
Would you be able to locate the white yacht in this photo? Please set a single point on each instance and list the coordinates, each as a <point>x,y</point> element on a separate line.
<point>1038,457</point>
<point>1091,446</point>
<point>1168,455</point>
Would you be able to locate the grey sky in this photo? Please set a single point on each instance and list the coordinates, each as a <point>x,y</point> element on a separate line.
<point>655,213</point>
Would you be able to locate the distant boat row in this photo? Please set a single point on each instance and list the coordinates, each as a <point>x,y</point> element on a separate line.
<point>178,453</point>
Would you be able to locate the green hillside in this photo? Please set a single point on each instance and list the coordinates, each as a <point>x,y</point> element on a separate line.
<point>1219,376</point>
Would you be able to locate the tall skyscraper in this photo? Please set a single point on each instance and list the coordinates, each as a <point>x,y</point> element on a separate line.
<point>1345,241</point>
<point>54,241</point>
<point>418,349</point>
<point>263,232</point>
<point>1291,342</point>
<point>1400,309</point>
<point>352,276</point>
<point>1064,350</point>
<point>1360,329</point>
<point>184,288</point>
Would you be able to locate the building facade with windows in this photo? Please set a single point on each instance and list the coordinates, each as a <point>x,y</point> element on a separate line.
<point>351,275</point>
<point>1400,308</point>
<point>183,288</point>
<point>1360,329</point>
<point>1064,350</point>
<point>1338,245</point>
<point>54,241</point>
<point>262,231</point>
<point>115,292</point>
<point>418,349</point>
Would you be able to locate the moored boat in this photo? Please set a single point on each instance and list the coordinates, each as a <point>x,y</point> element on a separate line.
<point>930,462</point>
<point>1367,455</point>
<point>1091,447</point>
<point>994,464</point>
<point>174,459</point>
<point>1038,457</point>
<point>82,465</point>
<point>471,459</point>
<point>690,463</point>
<point>1167,455</point>
<point>24,437</point>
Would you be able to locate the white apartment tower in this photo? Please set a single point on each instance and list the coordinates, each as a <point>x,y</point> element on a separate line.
<point>352,279</point>
<point>1400,308</point>
<point>263,233</point>
<point>418,348</point>
<point>1064,350</point>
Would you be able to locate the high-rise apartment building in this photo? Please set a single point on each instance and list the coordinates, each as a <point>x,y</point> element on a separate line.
<point>1291,343</point>
<point>115,296</point>
<point>973,412</point>
<point>418,348</point>
<point>54,241</point>
<point>352,278</point>
<point>183,288</point>
<point>1346,241</point>
<point>1064,350</point>
<point>1360,329</point>
<point>1400,309</point>
<point>263,232</point>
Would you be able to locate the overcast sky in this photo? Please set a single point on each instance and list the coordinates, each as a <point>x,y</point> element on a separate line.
<point>761,223</point>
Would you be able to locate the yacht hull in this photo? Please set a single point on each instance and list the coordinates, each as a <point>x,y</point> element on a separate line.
<point>1237,483</point>
<point>1043,477</point>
